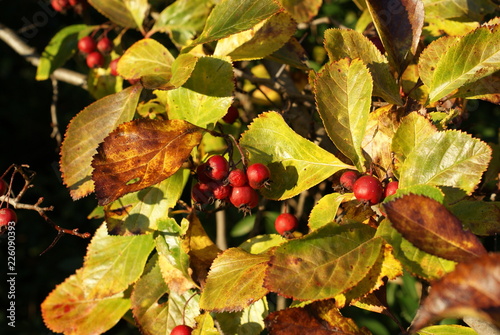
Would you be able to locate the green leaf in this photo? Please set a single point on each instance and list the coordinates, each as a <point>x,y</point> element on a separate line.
<point>61,47</point>
<point>262,243</point>
<point>414,260</point>
<point>233,16</point>
<point>461,10</point>
<point>480,217</point>
<point>207,94</point>
<point>183,19</point>
<point>138,212</point>
<point>343,95</point>
<point>68,308</point>
<point>205,325</point>
<point>487,89</point>
<point>343,255</point>
<point>86,131</point>
<point>125,13</point>
<point>250,321</point>
<point>296,164</point>
<point>449,158</point>
<point>113,263</point>
<point>238,272</point>
<point>399,24</point>
<point>473,57</point>
<point>413,130</point>
<point>326,209</point>
<point>149,61</point>
<point>260,41</point>
<point>342,43</point>
<point>156,309</point>
<point>447,330</point>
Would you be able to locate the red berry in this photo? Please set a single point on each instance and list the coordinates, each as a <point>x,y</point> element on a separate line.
<point>286,222</point>
<point>4,187</point>
<point>391,188</point>
<point>105,45</point>
<point>86,44</point>
<point>95,59</point>
<point>218,167</point>
<point>347,179</point>
<point>221,191</point>
<point>231,115</point>
<point>113,67</point>
<point>59,5</point>
<point>7,215</point>
<point>202,193</point>
<point>368,189</point>
<point>181,330</point>
<point>244,198</point>
<point>237,178</point>
<point>74,2</point>
<point>258,176</point>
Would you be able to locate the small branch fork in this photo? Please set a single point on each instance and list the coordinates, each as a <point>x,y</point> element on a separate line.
<point>15,201</point>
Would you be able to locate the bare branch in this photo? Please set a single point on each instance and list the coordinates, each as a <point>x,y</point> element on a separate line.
<point>29,53</point>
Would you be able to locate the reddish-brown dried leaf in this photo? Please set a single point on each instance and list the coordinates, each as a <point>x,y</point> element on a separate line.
<point>319,318</point>
<point>141,153</point>
<point>472,289</point>
<point>399,24</point>
<point>429,226</point>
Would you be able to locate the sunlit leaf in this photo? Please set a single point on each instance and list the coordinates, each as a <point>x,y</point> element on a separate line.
<point>480,217</point>
<point>478,282</point>
<point>447,330</point>
<point>233,16</point>
<point>205,325</point>
<point>449,158</point>
<point>342,43</point>
<point>86,131</point>
<point>302,10</point>
<point>399,24</point>
<point>413,130</point>
<point>61,47</point>
<point>238,272</point>
<point>183,19</point>
<point>431,227</point>
<point>138,212</point>
<point>462,10</point>
<point>260,41</point>
<point>325,210</point>
<point>205,97</point>
<point>112,263</point>
<point>141,153</point>
<point>149,61</point>
<point>343,92</point>
<point>296,164</point>
<point>413,259</point>
<point>125,13</point>
<point>487,89</point>
<point>156,309</point>
<point>343,255</point>
<point>200,248</point>
<point>69,309</point>
<point>262,243</point>
<point>473,57</point>
<point>439,27</point>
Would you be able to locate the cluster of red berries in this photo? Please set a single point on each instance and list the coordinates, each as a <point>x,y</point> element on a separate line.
<point>367,188</point>
<point>6,214</point>
<point>95,50</point>
<point>239,187</point>
<point>62,6</point>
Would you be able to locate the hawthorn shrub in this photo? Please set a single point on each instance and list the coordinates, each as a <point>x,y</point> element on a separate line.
<point>314,99</point>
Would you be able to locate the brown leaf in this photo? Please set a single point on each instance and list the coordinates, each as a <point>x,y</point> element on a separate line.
<point>399,24</point>
<point>202,251</point>
<point>141,153</point>
<point>429,226</point>
<point>472,289</point>
<point>318,318</point>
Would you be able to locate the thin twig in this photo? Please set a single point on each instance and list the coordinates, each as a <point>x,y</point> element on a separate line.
<point>29,53</point>
<point>56,134</point>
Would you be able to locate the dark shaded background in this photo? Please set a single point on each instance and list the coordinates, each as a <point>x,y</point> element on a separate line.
<point>25,128</point>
